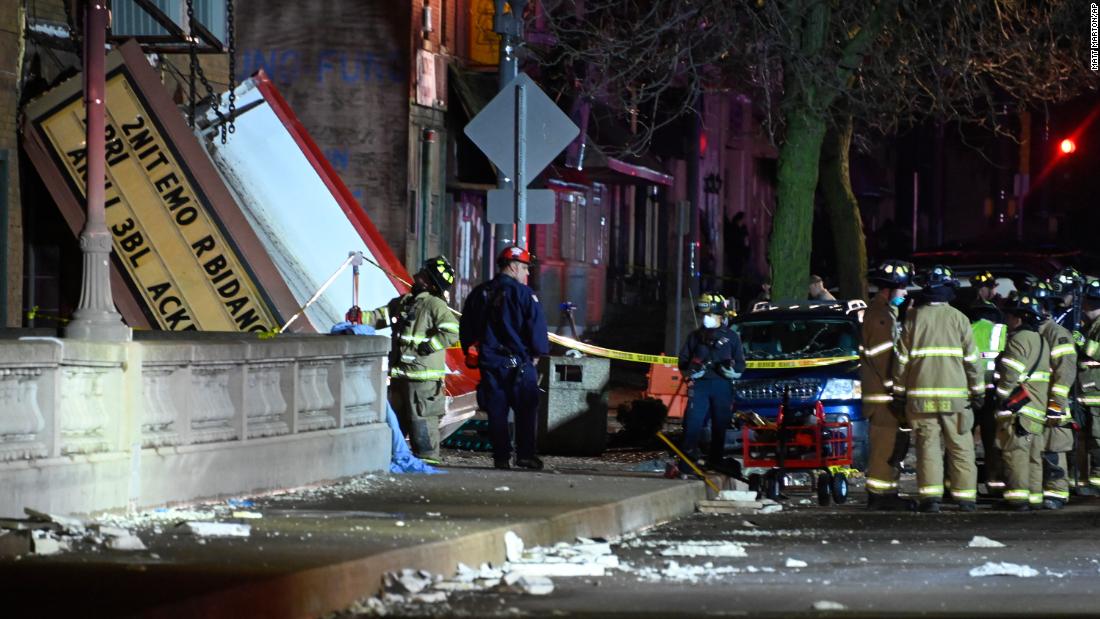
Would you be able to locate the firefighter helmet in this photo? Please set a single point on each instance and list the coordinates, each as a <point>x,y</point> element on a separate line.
<point>513,254</point>
<point>1041,290</point>
<point>439,272</point>
<point>1025,305</point>
<point>711,303</point>
<point>891,274</point>
<point>937,276</point>
<point>984,279</point>
<point>1066,281</point>
<point>1092,290</point>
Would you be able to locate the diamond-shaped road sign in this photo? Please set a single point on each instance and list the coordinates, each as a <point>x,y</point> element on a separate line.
<point>548,130</point>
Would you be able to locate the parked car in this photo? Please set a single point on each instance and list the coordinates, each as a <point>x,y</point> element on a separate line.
<point>808,351</point>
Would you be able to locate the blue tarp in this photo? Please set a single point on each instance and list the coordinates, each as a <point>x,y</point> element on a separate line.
<point>402,459</point>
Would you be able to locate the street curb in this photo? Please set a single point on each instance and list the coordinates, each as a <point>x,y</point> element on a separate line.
<point>315,592</point>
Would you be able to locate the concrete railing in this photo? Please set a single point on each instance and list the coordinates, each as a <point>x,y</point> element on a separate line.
<point>90,426</point>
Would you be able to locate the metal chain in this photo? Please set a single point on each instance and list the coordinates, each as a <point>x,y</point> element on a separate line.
<point>210,95</point>
<point>194,61</point>
<point>231,43</point>
<point>78,44</point>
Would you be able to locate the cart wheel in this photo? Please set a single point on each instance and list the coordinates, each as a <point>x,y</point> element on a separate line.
<point>840,488</point>
<point>773,485</point>
<point>824,486</point>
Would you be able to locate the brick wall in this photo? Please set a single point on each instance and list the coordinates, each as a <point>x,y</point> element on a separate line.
<point>11,19</point>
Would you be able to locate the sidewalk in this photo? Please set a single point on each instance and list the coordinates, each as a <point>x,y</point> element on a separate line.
<point>318,549</point>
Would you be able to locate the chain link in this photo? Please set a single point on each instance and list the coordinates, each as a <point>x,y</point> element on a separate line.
<point>231,43</point>
<point>197,70</point>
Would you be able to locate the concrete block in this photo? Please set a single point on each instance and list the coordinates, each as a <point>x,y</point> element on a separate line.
<point>573,411</point>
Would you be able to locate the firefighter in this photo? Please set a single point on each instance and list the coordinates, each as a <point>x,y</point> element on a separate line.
<point>880,332</point>
<point>1058,433</point>
<point>990,334</point>
<point>938,384</point>
<point>421,328</point>
<point>503,323</point>
<point>711,358</point>
<point>1022,392</point>
<point>984,306</point>
<point>1089,378</point>
<point>1067,283</point>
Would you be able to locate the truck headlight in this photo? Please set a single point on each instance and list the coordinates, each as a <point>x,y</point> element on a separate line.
<point>842,389</point>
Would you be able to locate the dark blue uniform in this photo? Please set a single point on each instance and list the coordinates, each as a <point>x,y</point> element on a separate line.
<point>504,319</point>
<point>711,393</point>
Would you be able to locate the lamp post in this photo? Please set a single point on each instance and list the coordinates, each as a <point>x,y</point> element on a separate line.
<point>510,28</point>
<point>95,317</point>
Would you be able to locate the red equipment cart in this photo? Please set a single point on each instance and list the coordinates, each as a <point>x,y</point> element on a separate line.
<point>805,442</point>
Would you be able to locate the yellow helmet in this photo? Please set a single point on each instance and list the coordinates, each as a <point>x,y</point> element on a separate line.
<point>710,303</point>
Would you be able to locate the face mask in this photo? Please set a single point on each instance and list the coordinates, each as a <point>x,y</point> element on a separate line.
<point>897,301</point>
<point>710,321</point>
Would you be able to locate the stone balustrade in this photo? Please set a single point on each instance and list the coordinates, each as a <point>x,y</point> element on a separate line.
<point>90,426</point>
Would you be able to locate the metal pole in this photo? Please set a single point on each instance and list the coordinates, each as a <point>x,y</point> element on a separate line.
<point>680,208</point>
<point>520,184</point>
<point>916,189</point>
<point>510,28</point>
<point>96,317</point>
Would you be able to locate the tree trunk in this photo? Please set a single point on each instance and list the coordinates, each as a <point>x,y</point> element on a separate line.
<point>836,188</point>
<point>790,242</point>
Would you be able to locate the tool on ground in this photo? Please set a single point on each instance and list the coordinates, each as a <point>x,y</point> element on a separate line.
<point>694,467</point>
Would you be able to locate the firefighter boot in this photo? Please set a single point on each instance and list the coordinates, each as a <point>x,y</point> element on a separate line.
<point>968,506</point>
<point>929,506</point>
<point>890,503</point>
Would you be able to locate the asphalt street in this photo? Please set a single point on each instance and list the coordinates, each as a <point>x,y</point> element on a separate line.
<point>831,561</point>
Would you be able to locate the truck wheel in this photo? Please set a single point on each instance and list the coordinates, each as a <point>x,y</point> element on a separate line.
<point>824,487</point>
<point>840,488</point>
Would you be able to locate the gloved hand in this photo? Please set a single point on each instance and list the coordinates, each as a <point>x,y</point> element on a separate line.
<point>424,349</point>
<point>728,372</point>
<point>696,375</point>
<point>1078,338</point>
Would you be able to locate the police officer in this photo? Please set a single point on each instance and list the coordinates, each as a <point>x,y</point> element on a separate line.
<point>1022,391</point>
<point>1089,377</point>
<point>880,331</point>
<point>935,377</point>
<point>710,358</point>
<point>1058,433</point>
<point>504,324</point>
<point>421,328</point>
<point>990,335</point>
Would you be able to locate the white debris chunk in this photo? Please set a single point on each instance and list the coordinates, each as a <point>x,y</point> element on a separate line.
<point>706,549</point>
<point>407,581</point>
<point>430,597</point>
<point>72,525</point>
<point>556,570</point>
<point>125,542</point>
<point>1004,569</point>
<point>488,572</point>
<point>530,585</point>
<point>894,542</point>
<point>502,489</point>
<point>216,529</point>
<point>795,562</point>
<point>248,515</point>
<point>513,546</point>
<point>827,605</point>
<point>981,541</point>
<point>47,545</point>
<point>770,509</point>
<point>737,495</point>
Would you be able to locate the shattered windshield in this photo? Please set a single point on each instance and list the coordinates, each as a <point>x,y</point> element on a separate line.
<point>799,338</point>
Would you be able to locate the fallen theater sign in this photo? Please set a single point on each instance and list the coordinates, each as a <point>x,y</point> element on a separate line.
<point>181,260</point>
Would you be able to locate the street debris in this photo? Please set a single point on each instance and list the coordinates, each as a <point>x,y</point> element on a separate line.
<point>737,495</point>
<point>529,585</point>
<point>1004,569</point>
<point>771,509</point>
<point>827,605</point>
<point>981,541</point>
<point>706,549</point>
<point>513,546</point>
<point>502,489</point>
<point>795,562</point>
<point>407,581</point>
<point>246,515</point>
<point>215,529</point>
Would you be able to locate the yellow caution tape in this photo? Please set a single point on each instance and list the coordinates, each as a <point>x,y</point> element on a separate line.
<point>599,351</point>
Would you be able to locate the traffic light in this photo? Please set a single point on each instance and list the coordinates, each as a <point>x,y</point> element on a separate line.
<point>1067,146</point>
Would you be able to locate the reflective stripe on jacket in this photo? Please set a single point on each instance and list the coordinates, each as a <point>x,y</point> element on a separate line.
<point>880,331</point>
<point>936,363</point>
<point>1063,365</point>
<point>426,319</point>
<point>1025,350</point>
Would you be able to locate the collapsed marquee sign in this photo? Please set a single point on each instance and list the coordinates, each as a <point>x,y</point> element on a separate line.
<point>187,257</point>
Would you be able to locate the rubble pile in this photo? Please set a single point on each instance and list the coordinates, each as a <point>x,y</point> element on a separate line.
<point>42,534</point>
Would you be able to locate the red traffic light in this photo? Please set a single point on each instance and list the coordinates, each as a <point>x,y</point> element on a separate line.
<point>1067,146</point>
